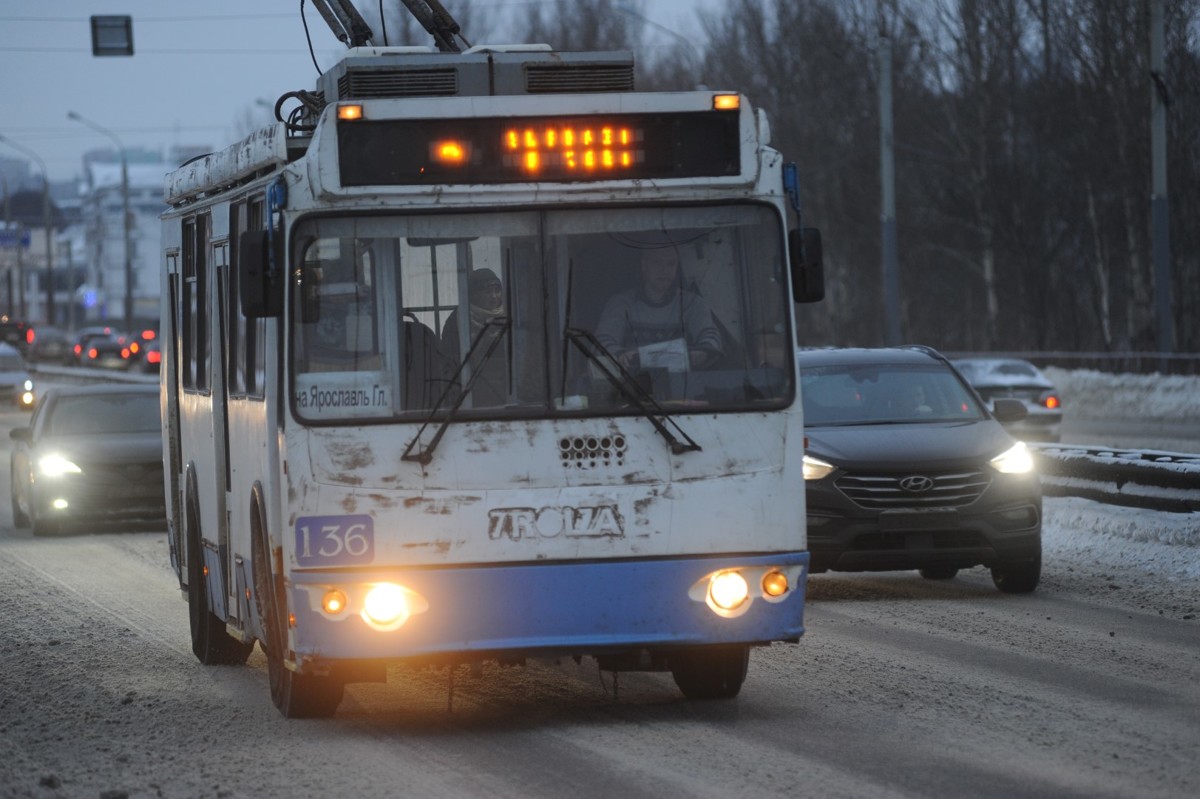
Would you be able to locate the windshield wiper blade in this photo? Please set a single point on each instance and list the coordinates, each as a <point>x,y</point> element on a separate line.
<point>630,388</point>
<point>425,455</point>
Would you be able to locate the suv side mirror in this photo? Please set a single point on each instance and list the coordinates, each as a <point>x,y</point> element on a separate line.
<point>1006,409</point>
<point>261,293</point>
<point>807,266</point>
<point>24,434</point>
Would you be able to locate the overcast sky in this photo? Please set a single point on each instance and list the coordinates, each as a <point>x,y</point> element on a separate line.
<point>198,72</point>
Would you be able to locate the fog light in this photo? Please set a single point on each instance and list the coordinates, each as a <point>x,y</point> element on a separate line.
<point>334,602</point>
<point>60,504</point>
<point>728,590</point>
<point>774,583</point>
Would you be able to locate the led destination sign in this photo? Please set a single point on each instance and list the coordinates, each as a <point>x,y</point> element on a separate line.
<point>519,150</point>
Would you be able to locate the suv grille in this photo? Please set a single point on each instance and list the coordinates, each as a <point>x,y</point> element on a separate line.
<point>883,491</point>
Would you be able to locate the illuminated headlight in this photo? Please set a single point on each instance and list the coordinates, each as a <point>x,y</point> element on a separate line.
<point>728,590</point>
<point>56,465</point>
<point>816,469</point>
<point>28,385</point>
<point>1016,460</point>
<point>333,602</point>
<point>388,606</point>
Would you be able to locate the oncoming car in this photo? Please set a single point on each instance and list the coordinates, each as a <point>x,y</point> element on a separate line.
<point>905,468</point>
<point>16,386</point>
<point>90,454</point>
<point>994,378</point>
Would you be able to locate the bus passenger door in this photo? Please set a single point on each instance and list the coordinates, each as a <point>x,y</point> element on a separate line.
<point>220,423</point>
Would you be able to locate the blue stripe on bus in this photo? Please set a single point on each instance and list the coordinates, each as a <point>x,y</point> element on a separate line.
<point>565,607</point>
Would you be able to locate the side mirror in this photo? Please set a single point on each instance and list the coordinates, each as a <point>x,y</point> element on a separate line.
<point>807,266</point>
<point>261,295</point>
<point>23,434</point>
<point>1006,409</point>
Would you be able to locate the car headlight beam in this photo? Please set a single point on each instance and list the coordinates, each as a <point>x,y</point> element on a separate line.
<point>1017,459</point>
<point>816,469</point>
<point>55,465</point>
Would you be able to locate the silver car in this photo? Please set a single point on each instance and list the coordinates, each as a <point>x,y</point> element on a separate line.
<point>994,378</point>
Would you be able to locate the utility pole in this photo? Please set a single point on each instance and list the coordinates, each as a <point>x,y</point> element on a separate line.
<point>46,223</point>
<point>127,222</point>
<point>1159,206</point>
<point>887,170</point>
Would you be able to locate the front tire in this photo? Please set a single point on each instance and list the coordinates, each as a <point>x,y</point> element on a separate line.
<point>1017,578</point>
<point>296,696</point>
<point>711,672</point>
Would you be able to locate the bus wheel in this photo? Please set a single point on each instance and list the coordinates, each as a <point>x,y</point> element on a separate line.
<point>711,672</point>
<point>211,643</point>
<point>296,696</point>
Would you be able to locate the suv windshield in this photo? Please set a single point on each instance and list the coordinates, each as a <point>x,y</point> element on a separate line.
<point>401,315</point>
<point>884,393</point>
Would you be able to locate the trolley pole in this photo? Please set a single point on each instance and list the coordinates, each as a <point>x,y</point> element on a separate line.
<point>1159,206</point>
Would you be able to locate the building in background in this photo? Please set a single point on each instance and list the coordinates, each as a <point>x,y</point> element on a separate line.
<point>100,294</point>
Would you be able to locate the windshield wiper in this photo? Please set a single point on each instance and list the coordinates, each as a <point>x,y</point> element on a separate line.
<point>425,455</point>
<point>630,388</point>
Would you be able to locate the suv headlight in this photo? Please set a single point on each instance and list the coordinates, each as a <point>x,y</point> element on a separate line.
<point>1015,460</point>
<point>816,469</point>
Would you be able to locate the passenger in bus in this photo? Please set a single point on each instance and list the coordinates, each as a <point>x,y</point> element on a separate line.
<point>485,303</point>
<point>660,323</point>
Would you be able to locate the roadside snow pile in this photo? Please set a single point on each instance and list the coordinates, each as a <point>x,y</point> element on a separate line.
<point>1099,395</point>
<point>1167,544</point>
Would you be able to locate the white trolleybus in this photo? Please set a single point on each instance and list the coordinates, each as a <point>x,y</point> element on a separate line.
<point>484,356</point>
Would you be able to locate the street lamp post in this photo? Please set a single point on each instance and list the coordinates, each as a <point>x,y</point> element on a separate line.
<point>45,222</point>
<point>124,213</point>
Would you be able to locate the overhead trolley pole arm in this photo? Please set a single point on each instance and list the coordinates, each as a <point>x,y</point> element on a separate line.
<point>437,20</point>
<point>346,23</point>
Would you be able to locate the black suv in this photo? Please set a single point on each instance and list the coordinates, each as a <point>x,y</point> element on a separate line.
<point>906,468</point>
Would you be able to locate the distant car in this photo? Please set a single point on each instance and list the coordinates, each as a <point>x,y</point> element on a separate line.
<point>151,357</point>
<point>144,351</point>
<point>82,338</point>
<point>16,386</point>
<point>14,333</point>
<point>106,352</point>
<point>904,468</point>
<point>91,454</point>
<point>49,345</point>
<point>1017,379</point>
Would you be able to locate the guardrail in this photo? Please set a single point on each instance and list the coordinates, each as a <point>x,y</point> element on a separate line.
<point>1162,481</point>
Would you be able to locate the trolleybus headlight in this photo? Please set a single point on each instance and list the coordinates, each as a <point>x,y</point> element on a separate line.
<point>333,602</point>
<point>386,605</point>
<point>728,590</point>
<point>774,583</point>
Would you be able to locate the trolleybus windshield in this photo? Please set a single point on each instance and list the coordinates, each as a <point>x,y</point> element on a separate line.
<point>689,300</point>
